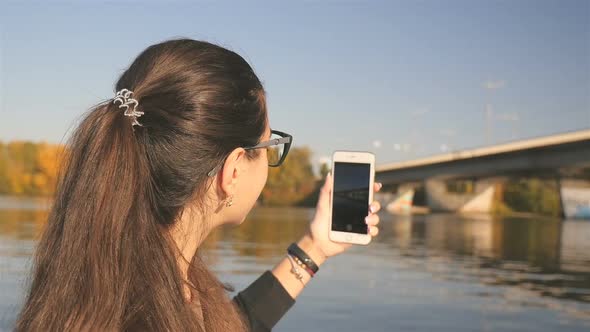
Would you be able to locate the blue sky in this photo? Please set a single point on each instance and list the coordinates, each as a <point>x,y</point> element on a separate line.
<point>403,79</point>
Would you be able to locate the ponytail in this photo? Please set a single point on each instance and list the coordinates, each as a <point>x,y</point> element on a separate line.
<point>102,247</point>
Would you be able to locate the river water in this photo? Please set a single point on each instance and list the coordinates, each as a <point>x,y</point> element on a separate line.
<point>438,272</point>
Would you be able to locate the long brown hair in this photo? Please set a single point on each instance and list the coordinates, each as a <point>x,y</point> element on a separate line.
<point>105,260</point>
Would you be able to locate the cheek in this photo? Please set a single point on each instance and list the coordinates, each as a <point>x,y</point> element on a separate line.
<point>265,173</point>
<point>262,171</point>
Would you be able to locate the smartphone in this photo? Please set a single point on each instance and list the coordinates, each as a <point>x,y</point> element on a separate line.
<point>353,174</point>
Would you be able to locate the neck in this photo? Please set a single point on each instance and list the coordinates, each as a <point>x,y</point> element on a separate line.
<point>188,234</point>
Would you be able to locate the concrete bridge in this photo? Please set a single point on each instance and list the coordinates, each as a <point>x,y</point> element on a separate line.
<point>564,157</point>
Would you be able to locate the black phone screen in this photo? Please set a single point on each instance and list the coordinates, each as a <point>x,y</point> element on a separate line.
<point>350,204</point>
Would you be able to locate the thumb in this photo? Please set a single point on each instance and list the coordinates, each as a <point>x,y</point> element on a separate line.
<point>325,193</point>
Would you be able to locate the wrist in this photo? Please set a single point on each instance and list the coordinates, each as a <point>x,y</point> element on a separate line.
<point>307,244</point>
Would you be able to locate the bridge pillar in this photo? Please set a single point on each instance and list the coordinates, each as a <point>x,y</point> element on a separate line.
<point>575,198</point>
<point>400,201</point>
<point>402,204</point>
<point>479,200</point>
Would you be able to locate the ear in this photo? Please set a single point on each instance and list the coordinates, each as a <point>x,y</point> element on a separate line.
<point>231,171</point>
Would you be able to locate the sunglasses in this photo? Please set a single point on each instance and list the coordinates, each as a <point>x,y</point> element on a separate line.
<point>277,149</point>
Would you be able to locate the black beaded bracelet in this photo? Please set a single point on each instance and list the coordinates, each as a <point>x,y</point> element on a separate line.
<point>299,253</point>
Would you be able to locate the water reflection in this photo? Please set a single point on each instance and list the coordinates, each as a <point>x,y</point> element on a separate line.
<point>466,272</point>
<point>549,256</point>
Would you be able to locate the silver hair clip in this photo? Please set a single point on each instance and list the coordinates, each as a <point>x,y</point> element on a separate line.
<point>124,97</point>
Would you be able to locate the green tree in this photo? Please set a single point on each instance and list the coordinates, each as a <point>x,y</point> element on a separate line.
<point>291,182</point>
<point>533,195</point>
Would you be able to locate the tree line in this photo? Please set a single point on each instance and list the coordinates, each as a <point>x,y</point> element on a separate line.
<point>30,169</point>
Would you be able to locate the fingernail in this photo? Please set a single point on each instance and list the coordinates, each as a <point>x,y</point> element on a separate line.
<point>367,220</point>
<point>380,185</point>
<point>371,209</point>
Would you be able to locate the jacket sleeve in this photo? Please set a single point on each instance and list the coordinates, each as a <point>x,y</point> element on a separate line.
<point>264,302</point>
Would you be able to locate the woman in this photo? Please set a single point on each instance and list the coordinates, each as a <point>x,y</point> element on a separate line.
<point>180,149</point>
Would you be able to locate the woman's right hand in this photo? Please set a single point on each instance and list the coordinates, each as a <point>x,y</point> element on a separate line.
<point>320,225</point>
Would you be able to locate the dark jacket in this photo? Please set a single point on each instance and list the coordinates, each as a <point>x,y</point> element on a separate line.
<point>264,302</point>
